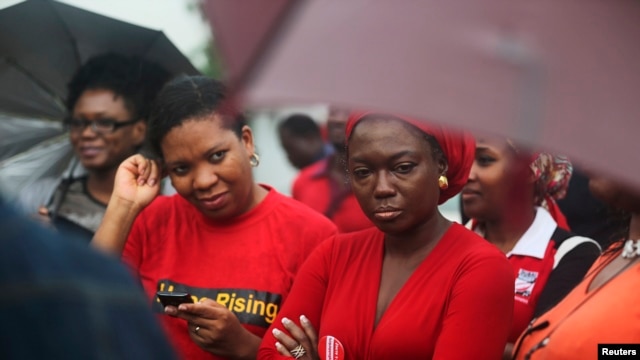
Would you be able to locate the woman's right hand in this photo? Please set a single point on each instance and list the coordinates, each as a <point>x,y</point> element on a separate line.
<point>217,330</point>
<point>137,181</point>
<point>136,184</point>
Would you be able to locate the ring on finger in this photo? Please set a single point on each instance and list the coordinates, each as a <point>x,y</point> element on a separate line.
<point>298,352</point>
<point>195,331</point>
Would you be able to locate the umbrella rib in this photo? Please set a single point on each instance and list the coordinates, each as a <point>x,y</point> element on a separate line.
<point>57,99</point>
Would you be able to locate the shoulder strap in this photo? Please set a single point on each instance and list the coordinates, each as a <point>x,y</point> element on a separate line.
<point>566,241</point>
<point>56,199</point>
<point>560,235</point>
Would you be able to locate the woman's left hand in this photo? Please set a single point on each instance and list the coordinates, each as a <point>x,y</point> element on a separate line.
<point>303,342</point>
<point>217,330</point>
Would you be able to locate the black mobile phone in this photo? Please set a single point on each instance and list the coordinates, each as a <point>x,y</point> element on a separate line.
<point>174,298</point>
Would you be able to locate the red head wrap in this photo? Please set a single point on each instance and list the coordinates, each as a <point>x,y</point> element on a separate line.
<point>458,147</point>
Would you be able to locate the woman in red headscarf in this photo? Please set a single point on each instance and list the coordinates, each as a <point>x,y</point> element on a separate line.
<point>511,198</point>
<point>414,286</point>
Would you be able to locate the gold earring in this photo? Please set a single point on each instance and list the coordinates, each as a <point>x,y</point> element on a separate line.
<point>254,160</point>
<point>443,183</point>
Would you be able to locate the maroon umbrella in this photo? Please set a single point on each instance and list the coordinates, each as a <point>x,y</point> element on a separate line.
<point>559,74</point>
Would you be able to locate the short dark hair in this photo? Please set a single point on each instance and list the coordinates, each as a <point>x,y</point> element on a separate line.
<point>185,98</point>
<point>300,125</point>
<point>136,80</point>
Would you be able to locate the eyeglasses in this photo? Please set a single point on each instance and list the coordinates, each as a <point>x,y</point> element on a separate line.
<point>100,126</point>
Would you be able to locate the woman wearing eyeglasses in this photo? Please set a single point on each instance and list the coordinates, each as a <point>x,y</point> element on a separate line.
<point>108,102</point>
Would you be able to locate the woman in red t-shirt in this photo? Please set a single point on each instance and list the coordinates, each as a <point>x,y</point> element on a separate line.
<point>233,245</point>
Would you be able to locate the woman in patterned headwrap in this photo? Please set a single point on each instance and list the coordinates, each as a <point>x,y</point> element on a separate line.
<point>511,199</point>
<point>415,286</point>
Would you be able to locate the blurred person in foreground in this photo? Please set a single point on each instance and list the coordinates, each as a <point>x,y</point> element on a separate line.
<point>324,186</point>
<point>605,307</point>
<point>62,300</point>
<point>108,103</point>
<point>415,286</point>
<point>232,244</point>
<point>302,140</point>
<point>510,198</point>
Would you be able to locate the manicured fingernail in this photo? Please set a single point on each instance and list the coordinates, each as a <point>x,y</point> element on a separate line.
<point>279,346</point>
<point>276,332</point>
<point>152,182</point>
<point>304,320</point>
<point>286,321</point>
<point>182,307</point>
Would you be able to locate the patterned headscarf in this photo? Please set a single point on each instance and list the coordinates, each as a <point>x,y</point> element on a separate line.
<point>552,174</point>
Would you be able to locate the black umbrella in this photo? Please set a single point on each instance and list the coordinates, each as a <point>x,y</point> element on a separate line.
<point>42,43</point>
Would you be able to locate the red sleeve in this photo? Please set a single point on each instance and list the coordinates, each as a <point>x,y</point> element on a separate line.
<point>306,297</point>
<point>481,299</point>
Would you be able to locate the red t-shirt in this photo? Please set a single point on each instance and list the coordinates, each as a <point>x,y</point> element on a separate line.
<point>456,305</point>
<point>247,265</point>
<point>547,263</point>
<point>317,189</point>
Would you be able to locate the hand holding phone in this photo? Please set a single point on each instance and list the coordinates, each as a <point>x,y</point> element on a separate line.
<point>174,298</point>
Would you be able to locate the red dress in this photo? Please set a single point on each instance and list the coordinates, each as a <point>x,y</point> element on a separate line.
<point>457,304</point>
